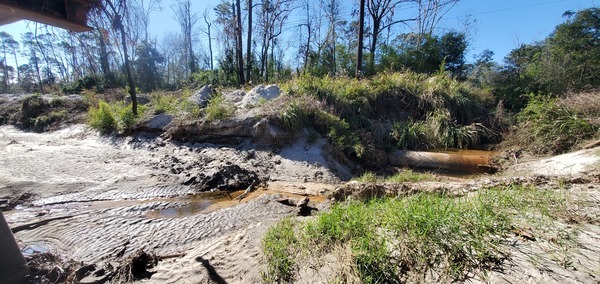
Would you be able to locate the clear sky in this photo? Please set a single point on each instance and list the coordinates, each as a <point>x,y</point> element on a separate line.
<point>500,25</point>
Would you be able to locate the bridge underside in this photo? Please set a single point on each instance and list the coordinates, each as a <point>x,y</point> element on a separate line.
<point>67,14</point>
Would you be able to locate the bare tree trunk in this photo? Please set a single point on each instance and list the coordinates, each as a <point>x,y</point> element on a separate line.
<point>373,47</point>
<point>210,50</point>
<point>238,42</point>
<point>6,81</point>
<point>17,63</point>
<point>208,33</point>
<point>132,91</point>
<point>361,29</point>
<point>104,65</point>
<point>249,43</point>
<point>37,71</point>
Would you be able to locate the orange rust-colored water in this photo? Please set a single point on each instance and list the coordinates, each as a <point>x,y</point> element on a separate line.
<point>202,204</point>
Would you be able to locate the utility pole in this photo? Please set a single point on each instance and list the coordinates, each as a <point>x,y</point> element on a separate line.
<point>361,31</point>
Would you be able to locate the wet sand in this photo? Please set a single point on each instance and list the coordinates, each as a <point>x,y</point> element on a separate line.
<point>106,198</point>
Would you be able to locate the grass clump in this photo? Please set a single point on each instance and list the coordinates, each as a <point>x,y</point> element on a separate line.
<point>218,109</point>
<point>545,126</point>
<point>276,245</point>
<point>395,240</point>
<point>402,176</point>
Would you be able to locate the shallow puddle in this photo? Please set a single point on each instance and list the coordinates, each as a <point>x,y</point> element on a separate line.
<point>34,248</point>
<point>208,202</point>
<point>196,204</point>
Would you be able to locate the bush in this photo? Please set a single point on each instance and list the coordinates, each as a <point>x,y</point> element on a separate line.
<point>42,122</point>
<point>96,83</point>
<point>117,116</point>
<point>547,127</point>
<point>102,118</point>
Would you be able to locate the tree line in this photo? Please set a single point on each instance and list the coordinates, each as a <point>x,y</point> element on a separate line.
<point>257,41</point>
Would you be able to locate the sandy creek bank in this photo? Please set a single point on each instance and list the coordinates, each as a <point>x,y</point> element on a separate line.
<point>106,198</point>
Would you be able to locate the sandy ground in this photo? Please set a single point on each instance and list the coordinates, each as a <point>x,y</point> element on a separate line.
<point>105,198</point>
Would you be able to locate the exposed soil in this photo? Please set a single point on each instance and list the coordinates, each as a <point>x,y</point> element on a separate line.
<point>102,201</point>
<point>96,199</point>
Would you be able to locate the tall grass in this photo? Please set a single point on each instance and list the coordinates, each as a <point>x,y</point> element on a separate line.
<point>392,238</point>
<point>426,112</point>
<point>547,127</point>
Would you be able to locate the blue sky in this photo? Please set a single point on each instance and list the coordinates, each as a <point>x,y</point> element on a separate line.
<point>500,25</point>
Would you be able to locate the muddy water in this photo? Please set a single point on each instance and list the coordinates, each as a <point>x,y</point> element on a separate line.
<point>455,163</point>
<point>201,204</point>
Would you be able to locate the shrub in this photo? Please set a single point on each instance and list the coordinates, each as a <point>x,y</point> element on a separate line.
<point>391,110</point>
<point>164,103</point>
<point>42,122</point>
<point>546,127</point>
<point>102,118</point>
<point>111,117</point>
<point>91,82</point>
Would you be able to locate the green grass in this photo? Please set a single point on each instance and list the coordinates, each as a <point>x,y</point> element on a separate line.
<point>276,245</point>
<point>405,175</point>
<point>390,238</point>
<point>547,127</point>
<point>218,109</point>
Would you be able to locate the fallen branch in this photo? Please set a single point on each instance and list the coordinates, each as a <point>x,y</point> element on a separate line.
<point>246,192</point>
<point>592,145</point>
<point>175,255</point>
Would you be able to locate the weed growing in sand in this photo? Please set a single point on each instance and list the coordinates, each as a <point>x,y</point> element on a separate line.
<point>393,240</point>
<point>277,249</point>
<point>218,109</point>
<point>405,175</point>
